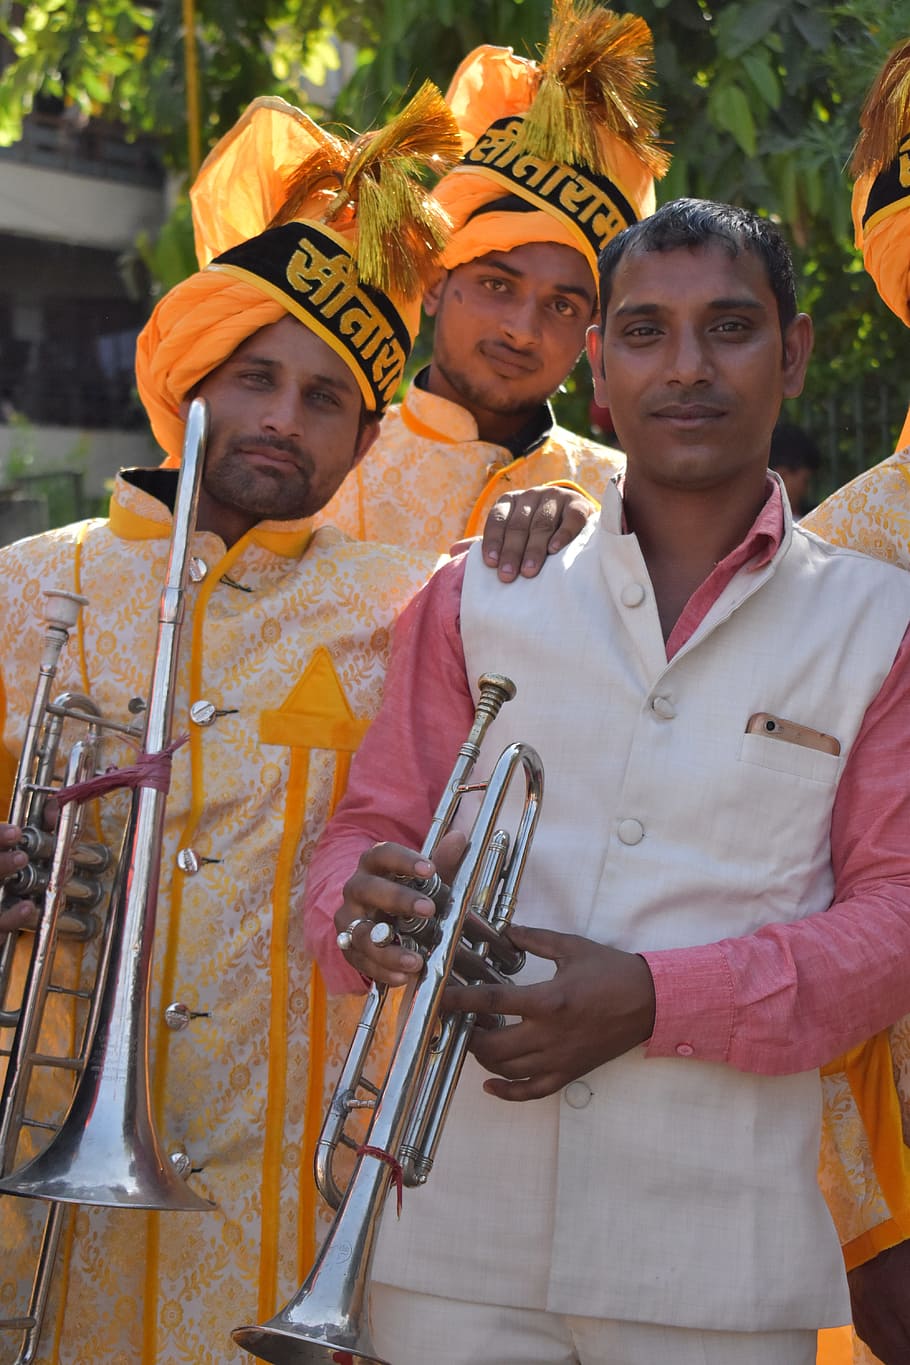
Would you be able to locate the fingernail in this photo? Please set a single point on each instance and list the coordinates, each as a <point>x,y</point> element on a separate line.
<point>424,906</point>
<point>411,961</point>
<point>20,859</point>
<point>423,868</point>
<point>529,566</point>
<point>507,571</point>
<point>492,556</point>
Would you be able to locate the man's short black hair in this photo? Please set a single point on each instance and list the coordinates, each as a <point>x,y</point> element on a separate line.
<point>701,222</point>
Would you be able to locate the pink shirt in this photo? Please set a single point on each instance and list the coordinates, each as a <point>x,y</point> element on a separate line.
<point>770,1002</point>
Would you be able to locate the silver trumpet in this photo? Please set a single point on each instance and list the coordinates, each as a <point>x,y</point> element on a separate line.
<point>464,941</point>
<point>106,1150</point>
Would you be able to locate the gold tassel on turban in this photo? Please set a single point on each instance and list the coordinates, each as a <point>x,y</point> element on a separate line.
<point>573,138</point>
<point>881,195</point>
<point>290,219</point>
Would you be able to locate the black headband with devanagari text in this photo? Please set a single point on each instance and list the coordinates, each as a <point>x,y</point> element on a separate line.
<point>890,189</point>
<point>585,200</point>
<point>310,270</point>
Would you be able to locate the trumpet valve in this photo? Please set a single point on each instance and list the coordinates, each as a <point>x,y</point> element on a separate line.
<point>382,933</point>
<point>423,934</point>
<point>39,844</point>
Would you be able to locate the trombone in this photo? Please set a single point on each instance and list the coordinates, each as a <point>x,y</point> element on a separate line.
<point>465,940</point>
<point>106,1150</point>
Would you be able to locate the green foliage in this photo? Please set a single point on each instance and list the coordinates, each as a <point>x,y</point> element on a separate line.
<point>102,43</point>
<point>21,451</point>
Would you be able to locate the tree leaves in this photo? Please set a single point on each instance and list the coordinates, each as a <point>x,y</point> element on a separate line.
<point>763,77</point>
<point>741,26</point>
<point>730,111</point>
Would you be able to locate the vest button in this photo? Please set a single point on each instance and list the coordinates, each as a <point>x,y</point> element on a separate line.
<point>578,1094</point>
<point>663,707</point>
<point>632,595</point>
<point>685,1050</point>
<point>631,831</point>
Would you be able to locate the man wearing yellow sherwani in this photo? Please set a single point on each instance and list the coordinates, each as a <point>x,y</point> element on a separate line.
<point>296,334</point>
<point>559,156</point>
<point>865,1158</point>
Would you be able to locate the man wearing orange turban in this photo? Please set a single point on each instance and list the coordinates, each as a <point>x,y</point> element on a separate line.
<point>865,1159</point>
<point>558,157</point>
<point>295,332</point>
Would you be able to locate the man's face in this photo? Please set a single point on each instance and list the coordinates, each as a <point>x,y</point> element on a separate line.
<point>693,366</point>
<point>510,326</point>
<point>285,429</point>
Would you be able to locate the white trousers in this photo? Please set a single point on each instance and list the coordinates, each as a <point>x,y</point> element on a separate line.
<point>419,1329</point>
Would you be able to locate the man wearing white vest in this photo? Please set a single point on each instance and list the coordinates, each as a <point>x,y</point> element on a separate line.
<point>721,873</point>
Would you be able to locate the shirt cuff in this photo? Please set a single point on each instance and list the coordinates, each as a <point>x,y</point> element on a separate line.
<point>695,1004</point>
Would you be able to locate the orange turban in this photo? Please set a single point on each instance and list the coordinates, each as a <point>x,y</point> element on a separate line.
<point>289,219</point>
<point>881,195</point>
<point>574,137</point>
<point>193,330</point>
<point>883,233</point>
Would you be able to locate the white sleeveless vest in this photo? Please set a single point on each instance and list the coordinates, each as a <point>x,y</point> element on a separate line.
<point>664,1190</point>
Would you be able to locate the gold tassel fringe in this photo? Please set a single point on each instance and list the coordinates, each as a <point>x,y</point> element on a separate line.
<point>885,117</point>
<point>595,72</point>
<point>400,229</point>
<point>318,176</point>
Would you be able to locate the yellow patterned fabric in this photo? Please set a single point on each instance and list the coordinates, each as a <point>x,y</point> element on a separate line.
<point>864,1157</point>
<point>288,634</point>
<point>872,512</point>
<point>429,480</point>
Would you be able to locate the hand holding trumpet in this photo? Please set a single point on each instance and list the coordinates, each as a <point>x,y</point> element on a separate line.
<point>598,1004</point>
<point>377,894</point>
<point>16,913</point>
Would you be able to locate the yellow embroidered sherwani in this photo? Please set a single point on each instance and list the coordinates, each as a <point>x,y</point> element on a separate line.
<point>429,480</point>
<point>865,1166</point>
<point>288,635</point>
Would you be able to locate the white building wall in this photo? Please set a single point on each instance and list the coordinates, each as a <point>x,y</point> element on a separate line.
<point>70,208</point>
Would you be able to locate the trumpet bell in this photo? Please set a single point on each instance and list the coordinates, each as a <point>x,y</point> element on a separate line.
<point>326,1320</point>
<point>341,1343</point>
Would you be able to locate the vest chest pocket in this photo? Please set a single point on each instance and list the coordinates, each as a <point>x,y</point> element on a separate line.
<point>794,759</point>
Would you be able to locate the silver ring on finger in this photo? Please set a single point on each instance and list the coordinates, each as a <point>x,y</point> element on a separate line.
<point>345,938</point>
